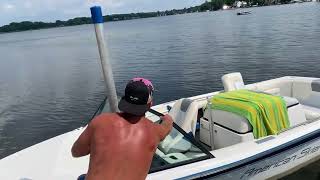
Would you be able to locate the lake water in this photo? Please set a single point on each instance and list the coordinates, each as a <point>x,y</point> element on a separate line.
<point>51,81</point>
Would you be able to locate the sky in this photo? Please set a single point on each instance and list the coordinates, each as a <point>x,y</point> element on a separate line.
<point>52,10</point>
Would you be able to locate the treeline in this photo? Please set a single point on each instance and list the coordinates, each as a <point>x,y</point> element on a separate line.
<point>207,6</point>
<point>214,5</point>
<point>27,25</point>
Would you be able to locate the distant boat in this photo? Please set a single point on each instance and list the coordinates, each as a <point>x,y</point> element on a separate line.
<point>243,13</point>
<point>296,1</point>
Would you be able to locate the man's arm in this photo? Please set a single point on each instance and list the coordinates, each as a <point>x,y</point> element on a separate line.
<point>82,146</point>
<point>165,127</point>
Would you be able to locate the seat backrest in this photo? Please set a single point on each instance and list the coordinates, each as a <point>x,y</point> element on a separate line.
<point>184,114</point>
<point>232,81</point>
<point>307,91</point>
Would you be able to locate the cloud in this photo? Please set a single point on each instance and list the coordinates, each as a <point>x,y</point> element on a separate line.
<point>27,4</point>
<point>107,3</point>
<point>51,10</point>
<point>8,6</point>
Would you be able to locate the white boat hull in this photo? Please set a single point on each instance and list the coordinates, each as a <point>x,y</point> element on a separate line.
<point>268,163</point>
<point>268,157</point>
<point>272,163</point>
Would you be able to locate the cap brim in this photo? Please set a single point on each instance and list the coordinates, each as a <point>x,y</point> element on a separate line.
<point>134,109</point>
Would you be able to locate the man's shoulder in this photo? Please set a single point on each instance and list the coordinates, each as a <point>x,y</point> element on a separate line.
<point>149,123</point>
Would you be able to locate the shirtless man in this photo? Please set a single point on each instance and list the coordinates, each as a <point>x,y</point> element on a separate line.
<point>121,145</point>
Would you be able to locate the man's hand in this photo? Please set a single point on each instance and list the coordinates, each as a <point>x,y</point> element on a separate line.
<point>165,127</point>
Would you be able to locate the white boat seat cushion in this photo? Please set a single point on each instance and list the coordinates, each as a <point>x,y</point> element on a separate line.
<point>238,123</point>
<point>290,101</point>
<point>311,113</point>
<point>307,92</point>
<point>231,121</point>
<point>184,114</point>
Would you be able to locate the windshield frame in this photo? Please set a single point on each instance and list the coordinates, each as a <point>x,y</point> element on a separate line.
<point>189,137</point>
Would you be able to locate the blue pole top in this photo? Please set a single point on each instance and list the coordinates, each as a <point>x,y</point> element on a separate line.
<point>96,14</point>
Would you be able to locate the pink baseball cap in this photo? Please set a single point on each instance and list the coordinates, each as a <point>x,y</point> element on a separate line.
<point>138,94</point>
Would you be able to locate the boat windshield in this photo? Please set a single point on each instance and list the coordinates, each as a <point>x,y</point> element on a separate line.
<point>177,149</point>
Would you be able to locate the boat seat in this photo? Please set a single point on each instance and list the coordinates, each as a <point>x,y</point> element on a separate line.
<point>307,92</point>
<point>184,114</point>
<point>234,81</point>
<point>238,123</point>
<point>290,101</point>
<point>311,113</point>
<point>231,121</point>
<point>228,128</point>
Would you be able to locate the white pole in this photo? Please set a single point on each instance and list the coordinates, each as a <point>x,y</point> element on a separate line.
<point>97,19</point>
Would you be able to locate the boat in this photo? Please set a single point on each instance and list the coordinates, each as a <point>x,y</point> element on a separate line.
<point>204,143</point>
<point>243,13</point>
<point>217,149</point>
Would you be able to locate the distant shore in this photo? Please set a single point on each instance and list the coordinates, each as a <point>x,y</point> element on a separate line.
<point>207,6</point>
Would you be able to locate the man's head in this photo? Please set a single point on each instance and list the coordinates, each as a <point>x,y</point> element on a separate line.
<point>138,97</point>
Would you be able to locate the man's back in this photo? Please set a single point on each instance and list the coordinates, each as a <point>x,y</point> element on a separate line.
<point>122,147</point>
